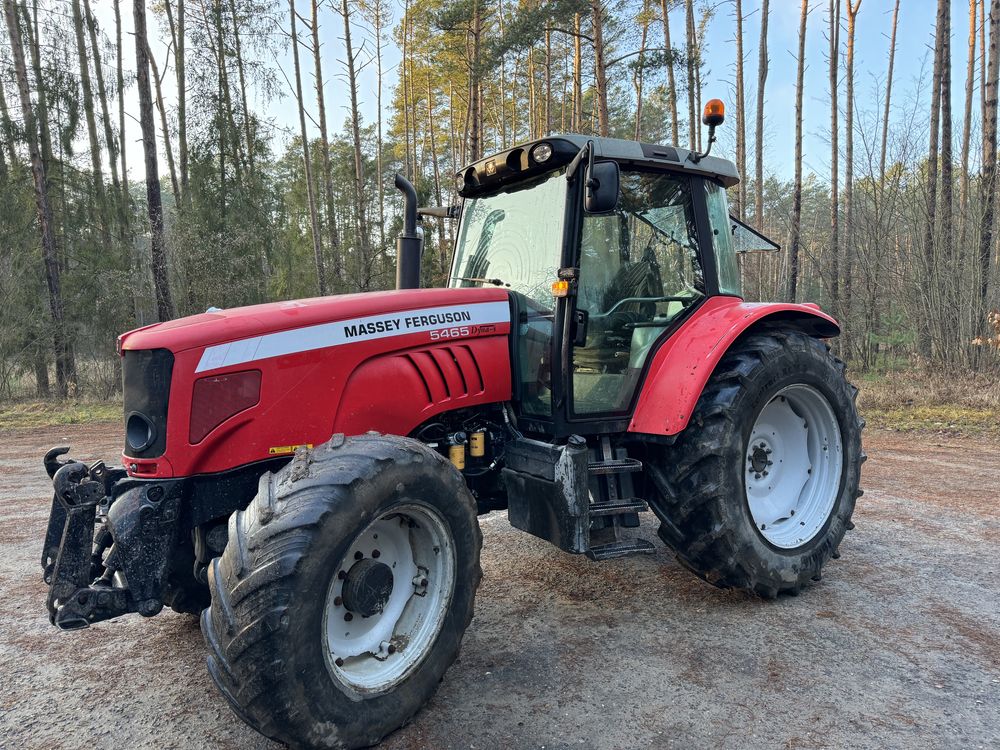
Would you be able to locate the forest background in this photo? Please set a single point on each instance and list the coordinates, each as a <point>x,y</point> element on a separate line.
<point>158,158</point>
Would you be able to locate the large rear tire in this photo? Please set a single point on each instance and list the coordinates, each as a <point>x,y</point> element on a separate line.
<point>758,491</point>
<point>344,592</point>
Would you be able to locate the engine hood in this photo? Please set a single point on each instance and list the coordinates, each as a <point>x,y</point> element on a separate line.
<point>219,327</point>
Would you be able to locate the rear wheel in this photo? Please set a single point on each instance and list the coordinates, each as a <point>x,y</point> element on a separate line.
<point>344,592</point>
<point>758,492</point>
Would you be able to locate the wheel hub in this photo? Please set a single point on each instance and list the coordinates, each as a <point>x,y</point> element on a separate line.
<point>760,458</point>
<point>367,587</point>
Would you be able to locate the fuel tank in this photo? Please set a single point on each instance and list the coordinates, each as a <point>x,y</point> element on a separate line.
<point>223,389</point>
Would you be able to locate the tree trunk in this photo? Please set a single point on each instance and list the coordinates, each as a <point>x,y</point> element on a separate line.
<point>741,122</point>
<point>852,15</point>
<point>671,80</point>
<point>925,327</point>
<point>182,144</point>
<point>888,92</point>
<point>548,82</point>
<point>834,247</point>
<point>244,102</point>
<point>157,251</point>
<point>947,185</point>
<point>476,93</point>
<point>306,160</point>
<point>443,254</point>
<point>7,129</point>
<point>989,169</point>
<point>167,148</point>
<point>65,365</point>
<point>762,65</point>
<point>600,71</point>
<point>45,135</point>
<point>963,177</point>
<point>359,165</point>
<point>217,47</point>
<point>331,215</point>
<point>637,78</point>
<point>102,93</point>
<point>793,242</point>
<point>88,110</point>
<point>120,88</point>
<point>407,172</point>
<point>577,124</point>
<point>379,22</point>
<point>691,84</point>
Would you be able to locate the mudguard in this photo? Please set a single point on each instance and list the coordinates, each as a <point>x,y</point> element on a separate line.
<point>682,365</point>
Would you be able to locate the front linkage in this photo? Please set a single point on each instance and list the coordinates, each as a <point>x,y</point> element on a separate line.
<point>109,542</point>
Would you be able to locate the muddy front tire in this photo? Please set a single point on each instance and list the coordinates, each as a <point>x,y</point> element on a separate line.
<point>344,592</point>
<point>758,491</point>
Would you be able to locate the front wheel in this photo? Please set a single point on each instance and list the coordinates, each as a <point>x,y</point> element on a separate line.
<point>344,592</point>
<point>758,491</point>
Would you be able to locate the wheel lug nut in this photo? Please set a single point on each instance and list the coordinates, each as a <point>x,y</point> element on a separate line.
<point>342,575</point>
<point>376,554</point>
<point>348,617</point>
<point>339,662</point>
<point>337,601</point>
<point>358,555</point>
<point>391,649</point>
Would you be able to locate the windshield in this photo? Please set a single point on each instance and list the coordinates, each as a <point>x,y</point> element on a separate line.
<point>514,238</point>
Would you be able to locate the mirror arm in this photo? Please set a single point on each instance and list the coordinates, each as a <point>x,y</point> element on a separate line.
<point>575,164</point>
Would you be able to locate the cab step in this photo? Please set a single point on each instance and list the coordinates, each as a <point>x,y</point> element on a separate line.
<point>614,466</point>
<point>621,548</point>
<point>628,505</point>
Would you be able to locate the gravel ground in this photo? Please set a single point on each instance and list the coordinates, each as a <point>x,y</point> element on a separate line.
<point>898,646</point>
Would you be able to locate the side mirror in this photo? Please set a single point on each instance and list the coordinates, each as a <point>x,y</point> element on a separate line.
<point>602,187</point>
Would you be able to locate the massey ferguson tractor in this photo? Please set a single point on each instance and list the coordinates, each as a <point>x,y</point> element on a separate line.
<point>307,475</point>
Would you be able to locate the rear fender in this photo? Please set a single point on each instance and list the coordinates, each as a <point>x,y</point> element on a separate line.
<point>682,366</point>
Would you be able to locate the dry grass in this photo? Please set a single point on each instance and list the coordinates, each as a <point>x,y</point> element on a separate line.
<point>914,400</point>
<point>21,414</point>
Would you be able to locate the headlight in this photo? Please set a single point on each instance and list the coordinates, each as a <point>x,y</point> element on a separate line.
<point>541,153</point>
<point>459,182</point>
<point>216,398</point>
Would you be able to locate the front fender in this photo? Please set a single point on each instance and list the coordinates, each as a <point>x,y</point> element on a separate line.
<point>682,365</point>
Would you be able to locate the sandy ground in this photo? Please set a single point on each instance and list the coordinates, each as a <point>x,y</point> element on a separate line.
<point>898,646</point>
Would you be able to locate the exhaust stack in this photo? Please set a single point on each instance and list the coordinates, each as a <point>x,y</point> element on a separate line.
<point>410,245</point>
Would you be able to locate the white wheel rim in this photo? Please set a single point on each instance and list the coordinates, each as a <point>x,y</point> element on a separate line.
<point>793,465</point>
<point>373,654</point>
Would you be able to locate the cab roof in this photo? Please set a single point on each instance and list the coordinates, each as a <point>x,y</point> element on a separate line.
<point>518,163</point>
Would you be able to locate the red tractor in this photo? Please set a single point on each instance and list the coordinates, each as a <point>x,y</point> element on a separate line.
<point>307,475</point>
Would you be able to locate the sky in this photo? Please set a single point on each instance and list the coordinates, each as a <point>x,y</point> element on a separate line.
<point>913,58</point>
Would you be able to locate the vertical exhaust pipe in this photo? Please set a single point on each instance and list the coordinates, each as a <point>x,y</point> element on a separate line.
<point>410,245</point>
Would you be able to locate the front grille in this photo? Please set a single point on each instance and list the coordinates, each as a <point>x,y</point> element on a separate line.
<point>146,388</point>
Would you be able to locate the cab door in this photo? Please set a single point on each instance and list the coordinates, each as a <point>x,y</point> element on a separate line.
<point>640,273</point>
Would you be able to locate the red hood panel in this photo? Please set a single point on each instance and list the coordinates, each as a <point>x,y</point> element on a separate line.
<point>211,328</point>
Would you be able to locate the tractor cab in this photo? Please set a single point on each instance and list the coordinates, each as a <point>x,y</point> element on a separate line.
<point>606,246</point>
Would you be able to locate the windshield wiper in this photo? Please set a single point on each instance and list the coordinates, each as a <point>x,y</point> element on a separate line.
<point>476,279</point>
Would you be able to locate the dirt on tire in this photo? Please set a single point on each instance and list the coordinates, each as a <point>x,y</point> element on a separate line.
<point>897,646</point>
